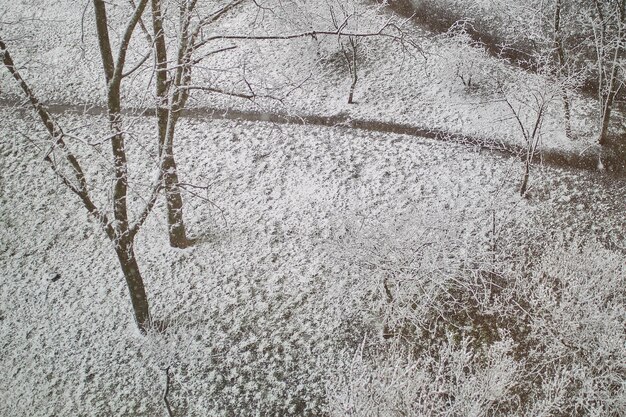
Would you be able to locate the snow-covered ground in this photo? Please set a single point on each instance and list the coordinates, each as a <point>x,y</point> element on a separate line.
<point>417,81</point>
<point>337,272</point>
<point>269,310</point>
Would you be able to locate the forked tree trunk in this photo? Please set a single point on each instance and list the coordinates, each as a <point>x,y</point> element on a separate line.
<point>122,236</point>
<point>126,256</point>
<point>167,104</point>
<point>607,95</point>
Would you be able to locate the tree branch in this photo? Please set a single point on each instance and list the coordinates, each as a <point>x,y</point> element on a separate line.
<point>220,91</point>
<point>56,135</point>
<point>210,19</point>
<point>139,64</point>
<point>216,51</point>
<point>166,392</point>
<point>128,33</point>
<point>142,25</point>
<point>149,206</point>
<point>312,33</point>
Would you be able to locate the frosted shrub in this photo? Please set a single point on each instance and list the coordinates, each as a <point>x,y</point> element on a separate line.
<point>425,275</point>
<point>466,334</point>
<point>508,25</point>
<point>464,58</point>
<point>391,381</point>
<point>576,300</point>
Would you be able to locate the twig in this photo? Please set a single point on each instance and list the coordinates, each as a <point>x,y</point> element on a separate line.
<point>139,64</point>
<point>166,391</point>
<point>183,186</point>
<point>312,33</point>
<point>220,91</point>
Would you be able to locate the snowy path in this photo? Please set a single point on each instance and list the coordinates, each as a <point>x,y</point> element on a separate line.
<point>613,162</point>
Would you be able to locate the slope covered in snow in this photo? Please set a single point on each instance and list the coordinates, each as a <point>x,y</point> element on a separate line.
<point>268,310</point>
<point>414,77</point>
<point>336,271</point>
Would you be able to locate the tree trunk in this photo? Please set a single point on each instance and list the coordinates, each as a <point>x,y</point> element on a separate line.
<point>604,128</point>
<point>175,220</point>
<point>353,70</point>
<point>524,186</point>
<point>560,50</point>
<point>121,235</point>
<point>568,115</point>
<point>352,87</point>
<point>168,111</point>
<point>126,256</point>
<point>606,118</point>
<point>612,87</point>
<point>161,72</point>
<point>607,104</point>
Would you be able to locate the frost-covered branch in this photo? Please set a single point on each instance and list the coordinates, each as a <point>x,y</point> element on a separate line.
<point>57,137</point>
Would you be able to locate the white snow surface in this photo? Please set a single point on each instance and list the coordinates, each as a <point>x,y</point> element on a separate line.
<point>417,84</point>
<point>264,307</point>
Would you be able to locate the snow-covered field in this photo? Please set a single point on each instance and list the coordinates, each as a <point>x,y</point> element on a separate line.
<point>337,271</point>
<point>280,309</point>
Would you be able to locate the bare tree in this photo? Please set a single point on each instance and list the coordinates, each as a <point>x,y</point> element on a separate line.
<point>174,80</point>
<point>343,17</point>
<point>173,84</point>
<point>608,24</point>
<point>351,24</point>
<point>545,25</point>
<point>187,38</point>
<point>529,109</point>
<point>336,19</point>
<point>119,227</point>
<point>172,88</point>
<point>168,112</point>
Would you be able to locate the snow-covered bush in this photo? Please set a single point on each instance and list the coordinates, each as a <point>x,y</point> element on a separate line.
<point>466,59</point>
<point>418,269</point>
<point>450,381</point>
<point>576,355</point>
<point>517,27</point>
<point>465,333</point>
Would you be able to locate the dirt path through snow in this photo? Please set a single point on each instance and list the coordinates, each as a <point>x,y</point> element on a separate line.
<point>613,162</point>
